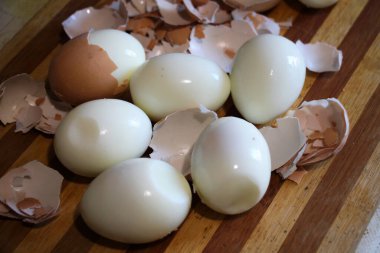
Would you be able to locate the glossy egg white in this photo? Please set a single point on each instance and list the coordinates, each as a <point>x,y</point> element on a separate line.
<point>137,201</point>
<point>173,82</point>
<point>267,77</point>
<point>318,3</point>
<point>230,165</point>
<point>98,134</point>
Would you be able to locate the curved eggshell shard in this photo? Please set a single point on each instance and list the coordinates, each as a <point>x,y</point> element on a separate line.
<point>14,90</point>
<point>259,23</point>
<point>208,12</point>
<point>174,13</point>
<point>285,141</point>
<point>90,18</point>
<point>174,136</point>
<point>326,125</point>
<point>220,43</point>
<point>31,191</point>
<point>256,5</point>
<point>166,48</point>
<point>320,56</point>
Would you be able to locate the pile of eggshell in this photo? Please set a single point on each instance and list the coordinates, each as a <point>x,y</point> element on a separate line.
<point>30,193</point>
<point>177,81</point>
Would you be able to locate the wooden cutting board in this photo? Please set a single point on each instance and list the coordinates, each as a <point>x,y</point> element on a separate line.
<point>327,212</point>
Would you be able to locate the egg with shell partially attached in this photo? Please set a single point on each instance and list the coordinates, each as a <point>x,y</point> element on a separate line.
<point>95,65</point>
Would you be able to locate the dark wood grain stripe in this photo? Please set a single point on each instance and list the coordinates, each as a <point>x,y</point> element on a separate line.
<point>229,235</point>
<point>234,231</point>
<point>43,43</point>
<point>11,233</point>
<point>330,195</point>
<point>13,145</point>
<point>78,239</point>
<point>354,47</point>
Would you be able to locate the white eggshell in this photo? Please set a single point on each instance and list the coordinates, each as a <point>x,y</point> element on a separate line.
<point>173,82</point>
<point>98,134</point>
<point>137,201</point>
<point>267,77</point>
<point>230,165</point>
<point>318,3</point>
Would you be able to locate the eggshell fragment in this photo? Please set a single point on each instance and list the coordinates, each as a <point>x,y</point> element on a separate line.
<point>320,56</point>
<point>220,43</point>
<point>14,91</point>
<point>174,136</point>
<point>259,23</point>
<point>90,18</point>
<point>137,201</point>
<point>174,13</point>
<point>285,141</point>
<point>30,192</point>
<point>166,48</point>
<point>208,12</point>
<point>256,5</point>
<point>326,125</point>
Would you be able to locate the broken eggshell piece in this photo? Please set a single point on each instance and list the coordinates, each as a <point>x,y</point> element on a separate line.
<point>26,102</point>
<point>326,125</point>
<point>256,5</point>
<point>320,56</point>
<point>14,91</point>
<point>30,192</point>
<point>174,136</point>
<point>90,18</point>
<point>285,142</point>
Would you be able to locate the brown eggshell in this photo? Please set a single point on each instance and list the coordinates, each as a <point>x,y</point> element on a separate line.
<point>81,72</point>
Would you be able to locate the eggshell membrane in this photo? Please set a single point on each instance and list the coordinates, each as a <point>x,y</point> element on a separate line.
<point>137,201</point>
<point>98,134</point>
<point>95,65</point>
<point>174,82</point>
<point>230,165</point>
<point>267,77</point>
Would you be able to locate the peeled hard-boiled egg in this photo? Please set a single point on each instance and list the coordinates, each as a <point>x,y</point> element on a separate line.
<point>230,165</point>
<point>174,82</point>
<point>267,77</point>
<point>98,134</point>
<point>137,201</point>
<point>318,3</point>
<point>95,65</point>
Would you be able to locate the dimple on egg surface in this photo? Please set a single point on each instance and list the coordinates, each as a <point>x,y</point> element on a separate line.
<point>101,133</point>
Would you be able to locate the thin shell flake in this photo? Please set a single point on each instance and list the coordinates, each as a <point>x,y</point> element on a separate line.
<point>30,193</point>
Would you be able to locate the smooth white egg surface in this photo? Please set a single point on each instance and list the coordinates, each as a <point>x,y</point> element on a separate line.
<point>318,3</point>
<point>267,77</point>
<point>230,165</point>
<point>173,82</point>
<point>125,51</point>
<point>100,133</point>
<point>137,201</point>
